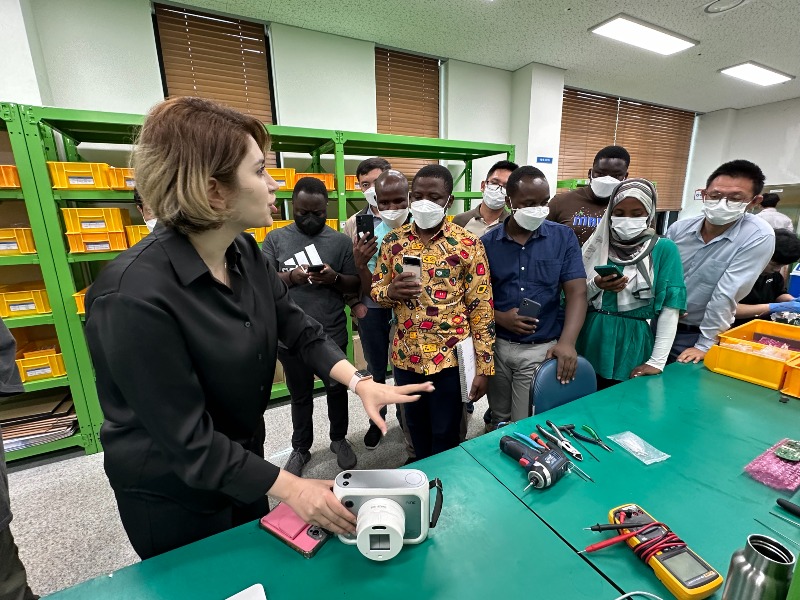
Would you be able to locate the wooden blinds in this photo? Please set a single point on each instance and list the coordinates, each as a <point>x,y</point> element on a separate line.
<point>657,138</point>
<point>407,97</point>
<point>219,58</point>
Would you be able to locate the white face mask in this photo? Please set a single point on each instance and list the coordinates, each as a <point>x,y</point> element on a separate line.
<point>394,218</point>
<point>369,194</point>
<point>494,196</point>
<point>627,228</point>
<point>151,223</point>
<point>531,217</point>
<point>602,187</point>
<point>427,214</point>
<point>719,213</point>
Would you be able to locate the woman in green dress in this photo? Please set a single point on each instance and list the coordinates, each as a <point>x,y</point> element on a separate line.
<point>617,337</point>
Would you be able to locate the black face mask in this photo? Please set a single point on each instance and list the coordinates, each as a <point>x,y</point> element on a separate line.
<point>309,223</point>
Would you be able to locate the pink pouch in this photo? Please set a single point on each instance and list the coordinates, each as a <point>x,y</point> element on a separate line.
<point>774,471</point>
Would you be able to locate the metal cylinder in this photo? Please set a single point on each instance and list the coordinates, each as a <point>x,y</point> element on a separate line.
<point>762,570</point>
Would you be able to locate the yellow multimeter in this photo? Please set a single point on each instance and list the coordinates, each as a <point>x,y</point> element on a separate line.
<point>682,571</point>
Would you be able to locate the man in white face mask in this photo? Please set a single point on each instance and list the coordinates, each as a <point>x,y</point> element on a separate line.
<point>582,209</point>
<point>723,252</point>
<point>492,209</point>
<point>435,277</point>
<point>147,214</point>
<point>531,258</point>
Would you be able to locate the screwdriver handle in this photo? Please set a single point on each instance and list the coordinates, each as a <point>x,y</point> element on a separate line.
<point>789,507</point>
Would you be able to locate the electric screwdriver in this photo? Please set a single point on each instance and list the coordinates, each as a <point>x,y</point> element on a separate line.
<point>544,468</point>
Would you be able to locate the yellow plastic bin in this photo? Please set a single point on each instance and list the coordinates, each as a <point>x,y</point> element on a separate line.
<point>284,177</point>
<point>9,177</point>
<point>79,175</point>
<point>95,220</point>
<point>80,301</point>
<point>80,243</point>
<point>40,360</point>
<point>121,179</point>
<point>326,178</point>
<point>135,233</point>
<point>24,299</point>
<point>761,370</point>
<point>258,233</point>
<point>17,240</point>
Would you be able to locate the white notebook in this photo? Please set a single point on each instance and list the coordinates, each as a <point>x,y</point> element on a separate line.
<point>465,352</point>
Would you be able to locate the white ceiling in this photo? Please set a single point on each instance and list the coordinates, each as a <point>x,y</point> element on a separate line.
<point>508,34</point>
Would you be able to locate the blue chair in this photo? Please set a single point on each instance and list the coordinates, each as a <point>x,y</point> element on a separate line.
<point>547,392</point>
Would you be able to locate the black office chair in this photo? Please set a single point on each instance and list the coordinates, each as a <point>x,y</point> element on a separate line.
<point>547,392</point>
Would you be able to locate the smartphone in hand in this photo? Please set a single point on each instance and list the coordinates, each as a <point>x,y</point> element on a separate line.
<point>284,524</point>
<point>365,226</point>
<point>412,264</point>
<point>606,270</point>
<point>529,308</point>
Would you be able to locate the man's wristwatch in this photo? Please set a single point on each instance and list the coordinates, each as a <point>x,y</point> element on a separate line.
<point>358,376</point>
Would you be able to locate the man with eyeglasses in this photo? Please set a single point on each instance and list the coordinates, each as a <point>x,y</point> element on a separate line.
<point>492,209</point>
<point>723,252</point>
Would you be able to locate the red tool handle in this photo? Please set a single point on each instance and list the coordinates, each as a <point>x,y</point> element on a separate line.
<point>535,437</point>
<point>621,538</point>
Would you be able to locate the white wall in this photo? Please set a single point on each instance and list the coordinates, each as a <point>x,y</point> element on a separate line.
<point>99,55</point>
<point>477,108</point>
<point>536,110</point>
<point>18,82</point>
<point>323,81</point>
<point>768,135</point>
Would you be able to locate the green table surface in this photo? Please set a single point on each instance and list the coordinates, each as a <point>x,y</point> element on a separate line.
<point>711,425</point>
<point>486,542</point>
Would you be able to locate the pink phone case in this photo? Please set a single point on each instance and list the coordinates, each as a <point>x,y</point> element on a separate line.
<point>283,523</point>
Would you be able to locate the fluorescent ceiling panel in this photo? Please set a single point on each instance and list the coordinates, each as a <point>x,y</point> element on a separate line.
<point>637,33</point>
<point>754,73</point>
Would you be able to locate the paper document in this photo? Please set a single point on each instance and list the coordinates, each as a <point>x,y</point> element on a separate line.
<point>465,352</point>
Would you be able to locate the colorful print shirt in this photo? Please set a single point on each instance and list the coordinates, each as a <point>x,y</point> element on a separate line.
<point>456,299</point>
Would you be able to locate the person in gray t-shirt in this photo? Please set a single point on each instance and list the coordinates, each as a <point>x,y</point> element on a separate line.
<point>296,252</point>
<point>13,579</point>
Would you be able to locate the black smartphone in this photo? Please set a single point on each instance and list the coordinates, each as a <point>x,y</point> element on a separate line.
<point>315,268</point>
<point>606,270</point>
<point>529,308</point>
<point>365,226</point>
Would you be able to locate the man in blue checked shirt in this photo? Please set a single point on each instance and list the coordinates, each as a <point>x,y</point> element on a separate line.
<point>723,252</point>
<point>530,257</point>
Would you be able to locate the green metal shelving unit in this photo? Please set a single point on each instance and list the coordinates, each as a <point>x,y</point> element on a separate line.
<point>11,119</point>
<point>32,130</point>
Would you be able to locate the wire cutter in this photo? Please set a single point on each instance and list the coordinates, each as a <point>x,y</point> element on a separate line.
<point>559,440</point>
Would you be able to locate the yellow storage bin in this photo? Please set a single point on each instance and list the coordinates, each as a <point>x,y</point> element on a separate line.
<point>756,328</point>
<point>80,301</point>
<point>277,224</point>
<point>9,176</point>
<point>95,220</point>
<point>17,240</point>
<point>135,233</point>
<point>791,380</point>
<point>284,177</point>
<point>332,223</point>
<point>79,175</point>
<point>40,360</point>
<point>326,178</point>
<point>121,179</point>
<point>259,233</point>
<point>23,299</point>
<point>96,242</point>
<point>351,183</point>
<point>753,368</point>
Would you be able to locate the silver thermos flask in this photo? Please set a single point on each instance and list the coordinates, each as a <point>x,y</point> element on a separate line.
<point>762,570</point>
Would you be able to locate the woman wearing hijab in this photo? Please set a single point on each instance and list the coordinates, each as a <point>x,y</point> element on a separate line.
<point>616,337</point>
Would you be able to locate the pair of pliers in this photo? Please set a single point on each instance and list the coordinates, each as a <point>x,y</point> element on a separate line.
<point>559,440</point>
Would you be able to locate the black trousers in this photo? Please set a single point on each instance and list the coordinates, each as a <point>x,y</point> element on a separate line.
<point>300,381</point>
<point>13,579</point>
<point>157,524</point>
<point>434,421</point>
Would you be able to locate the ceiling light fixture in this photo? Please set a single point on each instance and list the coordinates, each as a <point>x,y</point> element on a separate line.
<point>642,35</point>
<point>755,73</point>
<point>720,6</point>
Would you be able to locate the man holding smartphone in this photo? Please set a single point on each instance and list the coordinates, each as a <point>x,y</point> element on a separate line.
<point>531,261</point>
<point>435,276</point>
<point>316,263</point>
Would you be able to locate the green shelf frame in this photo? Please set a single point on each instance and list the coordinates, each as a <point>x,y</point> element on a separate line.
<point>91,257</point>
<point>29,321</point>
<point>19,259</point>
<point>32,145</point>
<point>46,384</point>
<point>32,129</point>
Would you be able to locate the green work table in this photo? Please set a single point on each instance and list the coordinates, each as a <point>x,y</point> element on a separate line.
<point>711,425</point>
<point>486,544</point>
